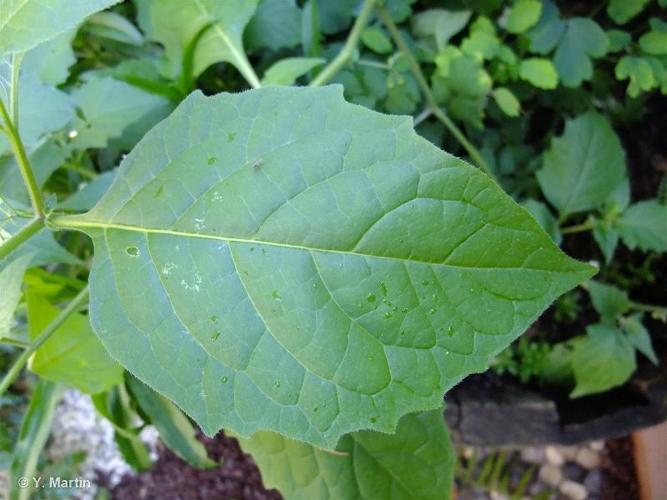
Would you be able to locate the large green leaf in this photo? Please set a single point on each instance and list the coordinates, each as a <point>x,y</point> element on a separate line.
<point>215,27</point>
<point>584,166</point>
<point>282,260</point>
<point>25,24</point>
<point>416,462</point>
<point>621,11</point>
<point>72,354</point>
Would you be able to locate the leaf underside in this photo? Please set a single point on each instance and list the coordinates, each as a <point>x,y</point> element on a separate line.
<point>282,260</point>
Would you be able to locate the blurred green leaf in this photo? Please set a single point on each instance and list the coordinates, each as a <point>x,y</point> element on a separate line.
<point>72,354</point>
<point>439,24</point>
<point>584,166</point>
<point>175,429</point>
<point>644,225</point>
<point>608,300</point>
<point>638,336</point>
<point>376,40</point>
<point>539,72</point>
<point>507,101</point>
<point>621,11</point>
<point>522,15</point>
<point>601,360</point>
<point>286,71</point>
<point>276,24</point>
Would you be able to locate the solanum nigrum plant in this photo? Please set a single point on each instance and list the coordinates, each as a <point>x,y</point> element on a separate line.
<point>307,274</point>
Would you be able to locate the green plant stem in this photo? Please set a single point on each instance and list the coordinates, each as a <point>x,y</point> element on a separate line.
<point>18,365</point>
<point>14,89</point>
<point>589,225</point>
<point>428,95</point>
<point>423,116</point>
<point>14,342</point>
<point>24,233</point>
<point>346,52</point>
<point>659,310</point>
<point>23,162</point>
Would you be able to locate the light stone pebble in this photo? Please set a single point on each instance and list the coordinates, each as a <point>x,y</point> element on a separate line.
<point>596,445</point>
<point>496,495</point>
<point>574,491</point>
<point>78,427</point>
<point>551,474</point>
<point>533,455</point>
<point>587,458</point>
<point>554,457</point>
<point>568,452</point>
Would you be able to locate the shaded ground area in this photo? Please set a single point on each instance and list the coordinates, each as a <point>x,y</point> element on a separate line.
<point>171,478</point>
<point>598,470</point>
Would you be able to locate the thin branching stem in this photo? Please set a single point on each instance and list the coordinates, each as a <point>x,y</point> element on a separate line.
<point>348,49</point>
<point>589,225</point>
<point>16,240</point>
<point>18,365</point>
<point>474,153</point>
<point>23,162</point>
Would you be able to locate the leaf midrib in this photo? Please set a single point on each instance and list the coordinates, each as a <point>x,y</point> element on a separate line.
<point>76,223</point>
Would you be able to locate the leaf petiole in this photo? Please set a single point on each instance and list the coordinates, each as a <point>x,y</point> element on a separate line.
<point>346,52</point>
<point>474,153</point>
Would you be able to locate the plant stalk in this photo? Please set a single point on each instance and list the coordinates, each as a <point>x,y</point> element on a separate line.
<point>589,225</point>
<point>346,52</point>
<point>18,365</point>
<point>24,233</point>
<point>428,95</point>
<point>23,162</point>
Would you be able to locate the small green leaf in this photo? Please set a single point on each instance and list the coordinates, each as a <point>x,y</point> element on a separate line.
<point>582,41</point>
<point>644,225</point>
<point>654,43</point>
<point>638,336</point>
<point>286,71</point>
<point>639,71</point>
<point>621,11</point>
<point>276,24</point>
<point>507,101</point>
<point>618,40</point>
<point>44,159</point>
<point>607,239</point>
<point>415,463</point>
<point>522,15</point>
<point>50,60</point>
<point>24,24</point>
<point>376,40</point>
<point>539,72</point>
<point>35,430</point>
<point>115,407</point>
<point>215,27</point>
<point>546,219</point>
<point>601,360</point>
<point>108,107</point>
<point>72,354</point>
<point>114,27</point>
<point>609,301</point>
<point>440,24</point>
<point>482,44</point>
<point>11,279</point>
<point>42,108</point>
<point>549,29</point>
<point>222,253</point>
<point>90,194</point>
<point>175,429</point>
<point>584,166</point>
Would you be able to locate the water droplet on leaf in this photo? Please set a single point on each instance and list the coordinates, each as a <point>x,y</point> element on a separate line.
<point>132,251</point>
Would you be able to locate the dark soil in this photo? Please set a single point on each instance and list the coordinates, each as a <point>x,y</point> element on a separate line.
<point>173,479</point>
<point>620,477</point>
